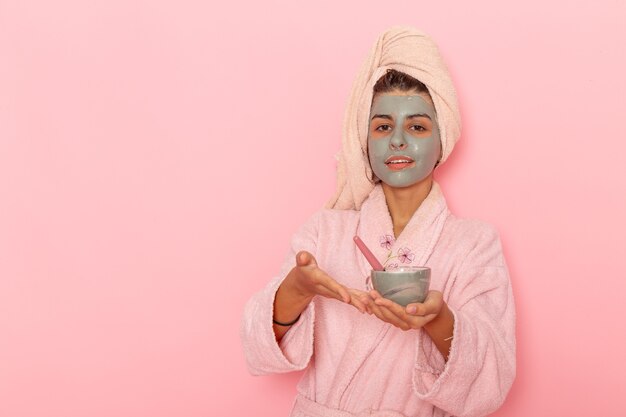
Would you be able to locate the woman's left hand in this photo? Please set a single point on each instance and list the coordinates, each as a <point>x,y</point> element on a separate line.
<point>413,316</point>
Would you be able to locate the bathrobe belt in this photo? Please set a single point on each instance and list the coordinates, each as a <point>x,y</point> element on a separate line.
<point>310,408</point>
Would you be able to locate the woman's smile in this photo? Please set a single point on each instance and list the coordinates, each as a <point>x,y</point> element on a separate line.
<point>399,162</point>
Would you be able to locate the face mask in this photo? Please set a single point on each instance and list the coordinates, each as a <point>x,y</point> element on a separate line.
<point>403,139</point>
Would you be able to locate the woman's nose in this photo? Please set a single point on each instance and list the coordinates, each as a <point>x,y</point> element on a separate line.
<point>397,140</point>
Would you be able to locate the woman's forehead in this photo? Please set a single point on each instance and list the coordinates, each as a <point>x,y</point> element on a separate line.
<point>410,103</point>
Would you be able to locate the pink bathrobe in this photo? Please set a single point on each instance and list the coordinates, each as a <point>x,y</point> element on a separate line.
<point>358,365</point>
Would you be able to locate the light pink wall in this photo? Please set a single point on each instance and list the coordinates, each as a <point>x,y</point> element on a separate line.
<point>156,156</point>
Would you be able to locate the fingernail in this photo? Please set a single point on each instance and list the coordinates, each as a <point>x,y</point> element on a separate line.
<point>411,310</point>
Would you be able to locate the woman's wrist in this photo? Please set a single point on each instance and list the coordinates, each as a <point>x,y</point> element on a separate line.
<point>440,329</point>
<point>293,291</point>
<point>288,324</point>
<point>289,303</point>
<point>444,320</point>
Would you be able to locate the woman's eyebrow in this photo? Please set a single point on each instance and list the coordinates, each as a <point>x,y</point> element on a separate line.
<point>382,116</point>
<point>419,115</point>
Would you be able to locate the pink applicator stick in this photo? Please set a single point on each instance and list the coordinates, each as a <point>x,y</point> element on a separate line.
<point>377,266</point>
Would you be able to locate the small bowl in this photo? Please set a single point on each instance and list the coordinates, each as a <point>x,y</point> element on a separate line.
<point>404,285</point>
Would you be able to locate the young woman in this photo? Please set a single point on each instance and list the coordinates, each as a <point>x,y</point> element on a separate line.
<point>453,354</point>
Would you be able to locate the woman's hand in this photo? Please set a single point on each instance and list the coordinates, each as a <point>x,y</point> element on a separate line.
<point>433,315</point>
<point>308,280</point>
<point>361,300</point>
<point>414,316</point>
<point>304,281</point>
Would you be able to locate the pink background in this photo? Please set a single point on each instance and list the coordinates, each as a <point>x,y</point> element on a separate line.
<point>156,156</point>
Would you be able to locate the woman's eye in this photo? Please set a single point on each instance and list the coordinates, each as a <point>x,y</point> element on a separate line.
<point>418,128</point>
<point>383,128</point>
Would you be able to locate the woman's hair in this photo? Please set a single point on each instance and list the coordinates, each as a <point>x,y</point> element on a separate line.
<point>398,81</point>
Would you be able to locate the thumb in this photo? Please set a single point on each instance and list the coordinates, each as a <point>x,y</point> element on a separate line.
<point>304,258</point>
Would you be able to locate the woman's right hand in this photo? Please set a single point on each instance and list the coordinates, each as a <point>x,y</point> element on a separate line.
<point>305,281</point>
<point>308,280</point>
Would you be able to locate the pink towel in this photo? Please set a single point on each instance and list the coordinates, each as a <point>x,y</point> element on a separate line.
<point>412,52</point>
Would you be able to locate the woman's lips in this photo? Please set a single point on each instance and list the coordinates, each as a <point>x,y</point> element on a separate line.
<point>398,163</point>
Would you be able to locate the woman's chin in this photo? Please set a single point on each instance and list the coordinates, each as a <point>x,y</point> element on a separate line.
<point>401,181</point>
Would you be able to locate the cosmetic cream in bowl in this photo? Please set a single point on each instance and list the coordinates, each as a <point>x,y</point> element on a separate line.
<point>404,285</point>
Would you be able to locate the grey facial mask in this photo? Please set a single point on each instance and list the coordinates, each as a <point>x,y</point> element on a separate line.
<point>398,142</point>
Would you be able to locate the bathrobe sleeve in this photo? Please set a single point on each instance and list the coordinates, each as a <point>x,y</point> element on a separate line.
<point>481,365</point>
<point>263,354</point>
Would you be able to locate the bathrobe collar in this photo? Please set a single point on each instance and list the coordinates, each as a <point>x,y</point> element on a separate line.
<point>416,242</point>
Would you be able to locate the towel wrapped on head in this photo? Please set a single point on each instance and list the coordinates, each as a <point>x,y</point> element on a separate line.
<point>414,53</point>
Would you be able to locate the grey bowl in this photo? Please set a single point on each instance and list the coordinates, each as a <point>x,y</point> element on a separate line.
<point>404,285</point>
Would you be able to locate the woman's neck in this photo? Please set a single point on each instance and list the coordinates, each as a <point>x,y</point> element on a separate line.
<point>404,202</point>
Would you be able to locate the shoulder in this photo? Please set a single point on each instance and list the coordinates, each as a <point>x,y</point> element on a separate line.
<point>326,221</point>
<point>470,228</point>
<point>333,216</point>
<point>476,241</point>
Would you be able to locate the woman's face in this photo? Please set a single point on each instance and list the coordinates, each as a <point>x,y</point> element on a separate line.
<point>403,138</point>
